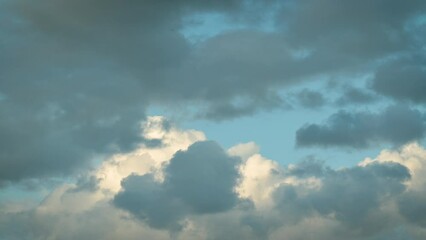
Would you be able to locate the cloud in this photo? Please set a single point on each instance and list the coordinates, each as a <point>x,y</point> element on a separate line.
<point>146,159</point>
<point>77,76</point>
<point>354,187</point>
<point>310,99</point>
<point>352,196</point>
<point>350,32</point>
<point>200,180</point>
<point>353,95</point>
<point>402,81</point>
<point>148,200</point>
<point>411,204</point>
<point>396,124</point>
<point>192,189</point>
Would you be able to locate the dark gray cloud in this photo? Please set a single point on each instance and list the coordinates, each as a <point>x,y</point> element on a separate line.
<point>397,124</point>
<point>350,31</point>
<point>200,180</point>
<point>402,81</point>
<point>350,195</point>
<point>412,206</point>
<point>203,177</point>
<point>147,199</point>
<point>359,190</point>
<point>77,76</point>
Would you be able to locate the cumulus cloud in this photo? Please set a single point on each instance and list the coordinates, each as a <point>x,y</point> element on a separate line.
<point>201,191</point>
<point>397,124</point>
<point>200,180</point>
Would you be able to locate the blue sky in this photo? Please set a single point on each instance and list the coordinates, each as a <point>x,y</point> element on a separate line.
<point>212,120</point>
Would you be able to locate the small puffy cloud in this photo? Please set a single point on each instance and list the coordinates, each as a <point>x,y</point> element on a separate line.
<point>396,124</point>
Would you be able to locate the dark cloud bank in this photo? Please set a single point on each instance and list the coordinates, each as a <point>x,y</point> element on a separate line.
<point>77,76</point>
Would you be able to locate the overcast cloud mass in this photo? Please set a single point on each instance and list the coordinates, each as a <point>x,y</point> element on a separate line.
<point>336,89</point>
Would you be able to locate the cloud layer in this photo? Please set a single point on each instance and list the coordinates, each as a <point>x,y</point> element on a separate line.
<point>204,192</point>
<point>77,76</point>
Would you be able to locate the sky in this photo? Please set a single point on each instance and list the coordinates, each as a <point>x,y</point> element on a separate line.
<point>213,120</point>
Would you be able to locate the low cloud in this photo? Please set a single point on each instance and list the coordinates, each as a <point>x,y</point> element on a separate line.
<point>397,124</point>
<point>200,180</point>
<point>202,192</point>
